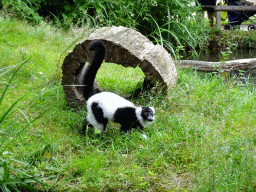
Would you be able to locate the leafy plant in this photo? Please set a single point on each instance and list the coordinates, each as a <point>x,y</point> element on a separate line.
<point>24,9</point>
<point>169,23</point>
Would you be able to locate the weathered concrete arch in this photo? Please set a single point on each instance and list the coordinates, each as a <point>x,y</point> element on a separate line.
<point>126,47</point>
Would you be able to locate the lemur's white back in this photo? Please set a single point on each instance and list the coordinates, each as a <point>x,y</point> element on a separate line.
<point>109,102</point>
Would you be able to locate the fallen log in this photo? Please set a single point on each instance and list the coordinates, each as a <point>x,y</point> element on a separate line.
<point>241,68</point>
<point>227,66</point>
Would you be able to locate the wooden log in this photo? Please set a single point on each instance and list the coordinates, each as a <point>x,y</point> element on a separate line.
<point>240,64</point>
<point>242,68</point>
<point>124,46</point>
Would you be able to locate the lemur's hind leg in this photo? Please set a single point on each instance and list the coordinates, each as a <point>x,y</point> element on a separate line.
<point>86,125</point>
<point>101,122</point>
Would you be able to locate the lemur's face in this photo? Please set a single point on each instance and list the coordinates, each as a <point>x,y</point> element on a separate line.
<point>148,113</point>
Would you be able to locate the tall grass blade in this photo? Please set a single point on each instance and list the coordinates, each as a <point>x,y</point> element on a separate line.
<point>158,29</point>
<point>6,171</point>
<point>4,188</point>
<point>7,69</point>
<point>9,82</point>
<point>13,188</point>
<point>42,92</point>
<point>40,115</point>
<point>8,111</point>
<point>19,180</point>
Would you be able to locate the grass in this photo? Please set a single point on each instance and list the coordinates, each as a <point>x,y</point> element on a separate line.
<point>203,138</point>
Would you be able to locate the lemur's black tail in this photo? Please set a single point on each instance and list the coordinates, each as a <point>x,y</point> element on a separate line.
<point>88,72</point>
<point>99,53</point>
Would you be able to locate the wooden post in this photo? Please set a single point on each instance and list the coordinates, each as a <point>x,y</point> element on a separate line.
<point>218,10</point>
<point>218,18</point>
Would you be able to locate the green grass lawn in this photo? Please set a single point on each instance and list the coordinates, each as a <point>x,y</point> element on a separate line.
<point>203,138</point>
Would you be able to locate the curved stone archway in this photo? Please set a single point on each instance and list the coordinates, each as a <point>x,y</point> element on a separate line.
<point>126,47</point>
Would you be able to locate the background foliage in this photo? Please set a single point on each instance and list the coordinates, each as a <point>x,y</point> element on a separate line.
<point>170,23</point>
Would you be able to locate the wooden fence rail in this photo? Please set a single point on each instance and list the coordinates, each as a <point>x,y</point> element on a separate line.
<point>218,10</point>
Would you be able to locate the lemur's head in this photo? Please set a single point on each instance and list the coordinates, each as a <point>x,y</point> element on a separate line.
<point>145,115</point>
<point>148,113</point>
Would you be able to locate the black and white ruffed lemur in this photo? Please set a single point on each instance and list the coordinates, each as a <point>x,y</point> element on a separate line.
<point>106,106</point>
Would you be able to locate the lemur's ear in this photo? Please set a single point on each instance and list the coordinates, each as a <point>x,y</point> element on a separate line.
<point>153,109</point>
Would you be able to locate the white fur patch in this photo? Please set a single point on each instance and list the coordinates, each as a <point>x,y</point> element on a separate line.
<point>153,109</point>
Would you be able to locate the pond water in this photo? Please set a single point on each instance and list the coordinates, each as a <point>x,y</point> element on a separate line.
<point>215,56</point>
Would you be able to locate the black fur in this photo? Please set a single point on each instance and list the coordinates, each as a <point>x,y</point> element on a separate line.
<point>98,114</point>
<point>88,77</point>
<point>127,118</point>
